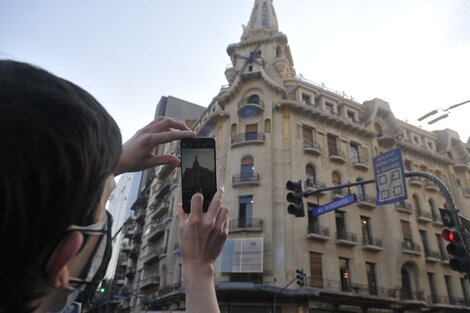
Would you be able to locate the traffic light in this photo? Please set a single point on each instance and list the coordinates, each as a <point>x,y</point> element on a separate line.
<point>300,276</point>
<point>295,198</point>
<point>460,260</point>
<point>102,290</point>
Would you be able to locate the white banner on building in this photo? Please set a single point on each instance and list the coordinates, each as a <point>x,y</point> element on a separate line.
<point>243,255</point>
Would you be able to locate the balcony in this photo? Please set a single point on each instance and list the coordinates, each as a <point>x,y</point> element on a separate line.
<point>404,206</point>
<point>346,239</point>
<point>247,138</point>
<point>126,247</point>
<point>250,105</point>
<point>436,218</point>
<point>385,139</point>
<point>445,300</point>
<point>411,247</point>
<point>466,192</point>
<point>150,281</point>
<point>312,185</point>
<point>159,208</point>
<point>430,186</point>
<point>432,256</point>
<point>245,179</point>
<point>134,254</point>
<point>130,272</point>
<point>424,216</point>
<point>165,171</point>
<point>339,193</point>
<point>372,244</point>
<point>461,167</point>
<point>151,256</point>
<point>336,155</point>
<point>176,249</point>
<point>360,163</point>
<point>415,181</point>
<point>318,232</point>
<point>246,225</point>
<point>366,202</point>
<point>155,232</point>
<point>312,148</point>
<point>411,296</point>
<point>141,217</point>
<point>358,289</point>
<point>137,237</point>
<point>129,231</point>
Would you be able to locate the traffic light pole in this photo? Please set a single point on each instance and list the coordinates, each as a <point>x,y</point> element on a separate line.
<point>445,192</point>
<point>279,292</point>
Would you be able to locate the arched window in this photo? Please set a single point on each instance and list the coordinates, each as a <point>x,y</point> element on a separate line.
<point>378,130</point>
<point>311,176</point>
<point>407,165</point>
<point>278,52</point>
<point>335,178</point>
<point>253,99</point>
<point>361,191</point>
<point>265,15</point>
<point>267,126</point>
<point>233,131</point>
<point>247,166</point>
<point>406,291</point>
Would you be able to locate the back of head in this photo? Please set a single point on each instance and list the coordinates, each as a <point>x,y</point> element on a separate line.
<point>57,147</point>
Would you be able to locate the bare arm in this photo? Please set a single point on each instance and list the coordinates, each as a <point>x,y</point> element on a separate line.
<point>202,236</point>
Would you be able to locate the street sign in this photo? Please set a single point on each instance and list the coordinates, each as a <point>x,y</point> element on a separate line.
<point>349,199</point>
<point>389,175</point>
<point>447,219</point>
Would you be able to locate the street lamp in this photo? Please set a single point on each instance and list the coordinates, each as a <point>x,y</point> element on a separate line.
<point>443,116</point>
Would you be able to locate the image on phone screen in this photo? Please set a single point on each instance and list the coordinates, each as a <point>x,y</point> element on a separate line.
<point>198,170</point>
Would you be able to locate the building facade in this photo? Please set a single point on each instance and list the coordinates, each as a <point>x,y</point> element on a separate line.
<point>272,126</point>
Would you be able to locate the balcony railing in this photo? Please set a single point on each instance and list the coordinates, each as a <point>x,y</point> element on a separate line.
<point>319,231</point>
<point>360,162</point>
<point>314,184</point>
<point>155,231</point>
<point>374,242</point>
<point>247,138</point>
<point>404,206</point>
<point>416,181</point>
<point>245,179</point>
<point>410,295</point>
<point>339,193</point>
<point>150,281</point>
<point>408,245</point>
<point>251,101</point>
<point>343,235</point>
<point>246,224</point>
<point>438,299</point>
<point>436,217</point>
<point>431,255</point>
<point>424,216</point>
<point>430,186</point>
<point>466,191</point>
<point>312,147</point>
<point>366,201</point>
<point>336,155</point>
<point>346,286</point>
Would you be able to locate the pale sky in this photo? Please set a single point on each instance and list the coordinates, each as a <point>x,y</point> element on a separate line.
<point>415,54</point>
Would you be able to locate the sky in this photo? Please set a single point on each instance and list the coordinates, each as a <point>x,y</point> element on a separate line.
<point>414,54</point>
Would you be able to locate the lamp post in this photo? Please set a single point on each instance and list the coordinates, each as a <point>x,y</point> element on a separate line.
<point>443,116</point>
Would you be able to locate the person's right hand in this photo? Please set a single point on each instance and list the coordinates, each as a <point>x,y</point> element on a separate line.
<point>202,235</point>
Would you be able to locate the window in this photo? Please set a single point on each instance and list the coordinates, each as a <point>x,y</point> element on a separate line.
<point>371,278</point>
<point>253,99</point>
<point>354,152</point>
<point>351,115</point>
<point>247,166</point>
<point>430,145</point>
<point>416,139</point>
<point>378,130</point>
<point>251,132</point>
<point>340,224</point>
<point>366,230</point>
<point>361,191</point>
<point>313,222</point>
<point>267,126</point>
<point>329,107</point>
<point>449,155</point>
<point>416,203</point>
<point>408,165</point>
<point>245,211</point>
<point>406,291</point>
<point>432,286</point>
<point>449,288</point>
<point>278,52</point>
<point>344,274</point>
<point>465,289</point>
<point>265,15</point>
<point>233,130</point>
<point>306,99</point>
<point>424,240</point>
<point>311,176</point>
<point>406,229</point>
<point>440,244</point>
<point>316,270</point>
<point>335,178</point>
<point>307,134</point>
<point>332,144</point>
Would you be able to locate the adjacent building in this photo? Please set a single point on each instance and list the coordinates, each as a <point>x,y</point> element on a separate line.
<point>272,126</point>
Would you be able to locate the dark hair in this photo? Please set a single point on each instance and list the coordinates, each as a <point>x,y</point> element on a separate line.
<point>57,147</point>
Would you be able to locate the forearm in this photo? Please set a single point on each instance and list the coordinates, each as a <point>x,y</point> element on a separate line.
<point>200,289</point>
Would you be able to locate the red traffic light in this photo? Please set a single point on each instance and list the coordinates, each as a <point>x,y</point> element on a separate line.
<point>451,235</point>
<point>294,185</point>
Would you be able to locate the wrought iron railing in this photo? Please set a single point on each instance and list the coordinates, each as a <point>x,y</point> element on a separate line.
<point>312,145</point>
<point>359,160</point>
<point>343,235</point>
<point>245,177</point>
<point>410,246</point>
<point>377,242</point>
<point>251,101</point>
<point>247,137</point>
<point>245,223</point>
<point>318,230</point>
<point>315,184</point>
<point>336,153</point>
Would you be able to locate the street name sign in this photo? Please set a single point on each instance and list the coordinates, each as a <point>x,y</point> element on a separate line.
<point>389,175</point>
<point>349,199</point>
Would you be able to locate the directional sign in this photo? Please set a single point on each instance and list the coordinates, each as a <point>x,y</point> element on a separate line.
<point>447,219</point>
<point>349,199</point>
<point>389,177</point>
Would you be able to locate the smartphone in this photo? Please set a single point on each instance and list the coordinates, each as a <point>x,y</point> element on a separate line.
<point>198,170</point>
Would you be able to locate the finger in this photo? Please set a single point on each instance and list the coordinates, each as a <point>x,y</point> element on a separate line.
<point>165,159</point>
<point>164,137</point>
<point>181,215</point>
<point>222,218</point>
<point>165,125</point>
<point>196,207</point>
<point>216,202</point>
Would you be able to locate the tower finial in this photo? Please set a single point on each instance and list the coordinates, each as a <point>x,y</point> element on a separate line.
<point>263,17</point>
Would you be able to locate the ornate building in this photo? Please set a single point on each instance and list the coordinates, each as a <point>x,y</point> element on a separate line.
<point>272,126</point>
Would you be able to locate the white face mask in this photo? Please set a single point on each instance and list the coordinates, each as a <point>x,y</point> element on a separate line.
<point>95,269</point>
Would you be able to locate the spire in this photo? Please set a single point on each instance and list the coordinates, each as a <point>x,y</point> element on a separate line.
<point>263,19</point>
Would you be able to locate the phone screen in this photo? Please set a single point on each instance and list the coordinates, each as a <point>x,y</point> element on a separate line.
<point>198,170</point>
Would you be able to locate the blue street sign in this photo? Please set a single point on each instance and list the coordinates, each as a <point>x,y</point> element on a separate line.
<point>349,199</point>
<point>389,177</point>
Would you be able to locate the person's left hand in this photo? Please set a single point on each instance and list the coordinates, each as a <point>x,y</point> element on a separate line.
<point>138,152</point>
